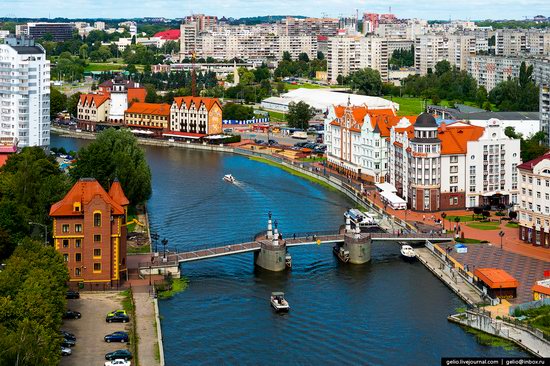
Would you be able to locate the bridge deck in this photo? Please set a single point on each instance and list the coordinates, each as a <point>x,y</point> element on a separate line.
<point>213,252</point>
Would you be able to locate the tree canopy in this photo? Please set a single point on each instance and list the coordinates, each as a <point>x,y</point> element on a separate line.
<point>299,115</point>
<point>518,94</point>
<point>366,81</point>
<point>237,112</point>
<point>532,146</point>
<point>116,154</point>
<point>30,182</point>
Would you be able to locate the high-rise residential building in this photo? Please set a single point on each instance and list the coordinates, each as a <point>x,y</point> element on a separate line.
<point>429,49</point>
<point>348,54</point>
<point>544,107</point>
<point>314,27</point>
<point>24,93</point>
<point>491,70</point>
<point>534,203</point>
<point>58,32</point>
<point>204,22</point>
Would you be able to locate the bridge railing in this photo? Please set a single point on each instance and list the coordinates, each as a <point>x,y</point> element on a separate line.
<point>413,235</point>
<point>195,248</point>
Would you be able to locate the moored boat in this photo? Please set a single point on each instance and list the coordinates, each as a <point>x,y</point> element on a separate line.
<point>278,302</point>
<point>408,253</point>
<point>341,253</point>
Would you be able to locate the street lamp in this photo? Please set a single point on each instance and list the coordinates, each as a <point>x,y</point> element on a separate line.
<point>164,243</point>
<point>155,237</point>
<point>443,215</point>
<point>501,234</point>
<point>45,230</point>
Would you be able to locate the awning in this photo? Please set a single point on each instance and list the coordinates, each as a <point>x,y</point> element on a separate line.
<point>183,135</point>
<point>216,137</point>
<point>386,187</point>
<point>142,132</point>
<point>495,193</point>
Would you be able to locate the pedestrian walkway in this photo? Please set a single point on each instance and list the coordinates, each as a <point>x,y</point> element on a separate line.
<point>449,276</point>
<point>146,327</point>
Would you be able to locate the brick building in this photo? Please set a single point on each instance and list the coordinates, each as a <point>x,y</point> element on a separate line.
<point>89,231</point>
<point>149,119</point>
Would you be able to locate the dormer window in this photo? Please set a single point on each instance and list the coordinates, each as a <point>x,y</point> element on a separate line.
<point>76,207</point>
<point>97,219</point>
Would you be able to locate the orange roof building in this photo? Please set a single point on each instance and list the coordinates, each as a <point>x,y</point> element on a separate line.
<point>148,119</point>
<point>498,282</point>
<point>90,233</point>
<point>196,115</point>
<point>357,139</point>
<point>452,166</point>
<point>541,290</point>
<point>92,109</point>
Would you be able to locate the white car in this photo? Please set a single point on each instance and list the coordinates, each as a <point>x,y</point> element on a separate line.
<point>118,362</point>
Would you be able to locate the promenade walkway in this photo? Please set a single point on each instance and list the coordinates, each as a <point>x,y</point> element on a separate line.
<point>146,327</point>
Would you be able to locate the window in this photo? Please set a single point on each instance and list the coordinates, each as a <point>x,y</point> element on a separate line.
<point>454,188</point>
<point>77,271</point>
<point>65,257</point>
<point>455,201</point>
<point>547,196</point>
<point>97,219</point>
<point>97,238</point>
<point>538,181</point>
<point>77,243</point>
<point>454,169</point>
<point>454,159</point>
<point>538,194</point>
<point>472,201</point>
<point>97,267</point>
<point>530,179</point>
<point>78,257</point>
<point>97,252</point>
<point>454,179</point>
<point>538,208</point>
<point>78,228</point>
<point>65,228</point>
<point>65,243</point>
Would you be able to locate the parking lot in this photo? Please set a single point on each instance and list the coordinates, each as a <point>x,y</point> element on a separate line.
<point>90,348</point>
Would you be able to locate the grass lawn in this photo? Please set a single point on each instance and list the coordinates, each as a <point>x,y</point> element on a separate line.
<point>408,106</point>
<point>313,160</point>
<point>139,250</point>
<point>276,116</point>
<point>484,225</point>
<point>469,241</point>
<point>306,86</point>
<point>104,67</point>
<point>513,225</point>
<point>466,218</point>
<point>538,318</point>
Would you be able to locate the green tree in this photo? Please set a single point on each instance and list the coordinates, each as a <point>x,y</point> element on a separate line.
<point>303,57</point>
<point>442,67</point>
<point>58,102</point>
<point>233,111</point>
<point>481,96</point>
<point>116,154</point>
<point>299,115</point>
<point>366,81</point>
<point>320,55</point>
<point>151,96</point>
<point>72,104</point>
<point>287,56</point>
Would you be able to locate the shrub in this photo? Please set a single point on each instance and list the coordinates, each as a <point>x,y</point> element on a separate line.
<point>500,213</point>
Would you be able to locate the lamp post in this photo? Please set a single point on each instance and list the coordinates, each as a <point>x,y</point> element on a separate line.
<point>155,237</point>
<point>151,269</point>
<point>443,215</point>
<point>164,243</point>
<point>45,230</point>
<point>501,234</point>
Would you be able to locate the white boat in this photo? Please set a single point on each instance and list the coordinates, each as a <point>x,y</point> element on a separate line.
<point>278,302</point>
<point>408,253</point>
<point>359,218</point>
<point>229,178</point>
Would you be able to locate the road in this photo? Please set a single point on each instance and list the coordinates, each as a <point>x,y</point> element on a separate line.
<point>283,140</point>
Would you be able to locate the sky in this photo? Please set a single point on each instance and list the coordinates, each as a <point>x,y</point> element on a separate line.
<point>425,9</point>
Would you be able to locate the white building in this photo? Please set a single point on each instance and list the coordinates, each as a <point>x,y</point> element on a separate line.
<point>544,106</point>
<point>491,70</point>
<point>357,139</point>
<point>24,93</point>
<point>534,202</point>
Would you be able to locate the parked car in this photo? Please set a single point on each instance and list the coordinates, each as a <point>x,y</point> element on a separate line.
<point>70,314</point>
<point>66,351</point>
<point>119,311</point>
<point>259,142</point>
<point>72,295</point>
<point>67,335</point>
<point>119,354</point>
<point>117,337</point>
<point>117,318</point>
<point>119,362</point>
<point>68,343</point>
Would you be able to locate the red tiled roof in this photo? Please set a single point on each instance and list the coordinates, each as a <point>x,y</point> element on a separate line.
<point>158,109</point>
<point>83,191</point>
<point>136,94</point>
<point>531,163</point>
<point>197,101</point>
<point>117,193</point>
<point>381,119</point>
<point>171,35</point>
<point>97,99</point>
<point>3,159</point>
<point>496,278</point>
<point>455,136</point>
<point>184,134</point>
<point>541,289</point>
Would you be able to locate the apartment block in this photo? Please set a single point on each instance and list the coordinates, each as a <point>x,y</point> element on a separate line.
<point>24,93</point>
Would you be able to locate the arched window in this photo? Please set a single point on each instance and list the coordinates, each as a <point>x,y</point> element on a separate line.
<point>97,219</point>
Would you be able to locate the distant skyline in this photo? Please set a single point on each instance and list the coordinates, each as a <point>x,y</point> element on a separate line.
<point>465,9</point>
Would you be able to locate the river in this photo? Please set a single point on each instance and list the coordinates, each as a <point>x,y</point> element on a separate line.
<point>386,312</point>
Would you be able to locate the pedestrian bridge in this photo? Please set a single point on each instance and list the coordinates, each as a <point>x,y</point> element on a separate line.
<point>215,251</point>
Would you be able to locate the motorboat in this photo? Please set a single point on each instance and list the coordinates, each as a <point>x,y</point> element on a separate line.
<point>229,178</point>
<point>278,302</point>
<point>361,219</point>
<point>408,253</point>
<point>341,253</point>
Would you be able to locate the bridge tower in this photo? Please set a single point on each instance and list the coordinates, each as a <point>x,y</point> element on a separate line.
<point>273,252</point>
<point>358,245</point>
